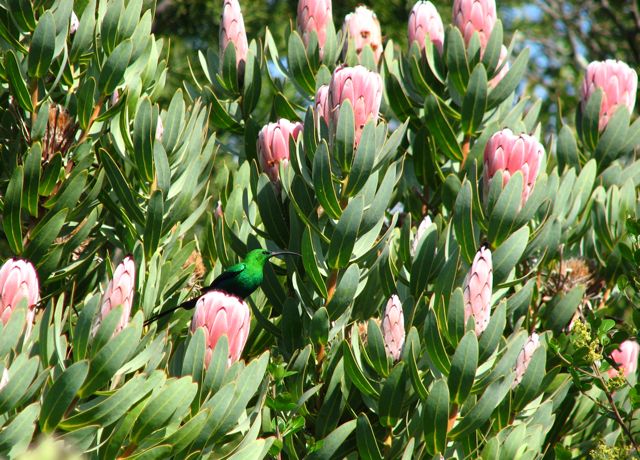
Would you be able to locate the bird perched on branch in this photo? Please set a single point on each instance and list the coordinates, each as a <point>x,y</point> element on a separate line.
<point>239,279</point>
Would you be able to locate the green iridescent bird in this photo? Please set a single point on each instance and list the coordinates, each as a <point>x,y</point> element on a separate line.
<point>239,280</point>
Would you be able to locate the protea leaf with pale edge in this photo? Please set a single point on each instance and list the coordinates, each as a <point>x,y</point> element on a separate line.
<point>18,281</point>
<point>626,357</point>
<point>232,31</point>
<point>510,153</point>
<point>471,16</point>
<point>362,88</point>
<point>503,65</point>
<point>362,26</point>
<point>120,291</point>
<point>425,22</point>
<point>618,82</point>
<point>524,357</point>
<point>313,16</point>
<point>393,327</point>
<point>273,145</point>
<point>219,313</point>
<point>321,104</point>
<point>478,286</point>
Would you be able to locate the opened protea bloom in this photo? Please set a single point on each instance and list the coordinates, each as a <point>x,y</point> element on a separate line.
<point>478,286</point>
<point>321,104</point>
<point>422,228</point>
<point>618,82</point>
<point>393,328</point>
<point>232,31</point>
<point>504,69</point>
<point>510,153</point>
<point>273,145</point>
<point>425,22</point>
<point>120,291</point>
<point>313,16</point>
<point>18,281</point>
<point>363,27</point>
<point>219,313</point>
<point>471,16</point>
<point>362,88</point>
<point>626,357</point>
<point>524,357</point>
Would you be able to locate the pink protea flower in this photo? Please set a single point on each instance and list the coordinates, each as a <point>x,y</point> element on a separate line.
<point>524,358</point>
<point>362,26</point>
<point>313,16</point>
<point>159,129</point>
<point>478,286</point>
<point>626,357</point>
<point>5,378</point>
<point>273,145</point>
<point>471,16</point>
<point>362,88</point>
<point>232,31</point>
<point>503,71</point>
<point>424,21</point>
<point>74,23</point>
<point>221,314</point>
<point>18,281</point>
<point>619,84</point>
<point>393,328</point>
<point>422,228</point>
<point>509,153</point>
<point>321,104</point>
<point>120,291</point>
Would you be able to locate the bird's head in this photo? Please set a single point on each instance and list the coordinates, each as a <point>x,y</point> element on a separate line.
<point>260,256</point>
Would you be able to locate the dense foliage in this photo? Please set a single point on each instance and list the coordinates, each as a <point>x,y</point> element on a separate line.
<point>467,281</point>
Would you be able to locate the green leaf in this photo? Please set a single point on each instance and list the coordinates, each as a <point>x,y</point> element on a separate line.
<point>440,128</point>
<point>345,136</point>
<point>61,394</point>
<point>456,58</point>
<point>363,161</point>
<point>83,38</point>
<point>50,175</point>
<point>510,81</point>
<point>17,82</point>
<point>120,187</point>
<point>366,440</point>
<point>109,25</point>
<point>463,368</point>
<point>455,317</point>
<point>113,69</point>
<point>299,64</point>
<point>252,82</point>
<point>310,262</point>
<point>614,138</point>
<point>323,182</point>
<point>143,136</point>
<point>505,211</point>
<point>355,374</point>
<point>42,46</point>
<point>562,307</point>
<point>12,215</point>
<point>532,379</point>
<point>319,327</point>
<point>16,437</point>
<point>589,119</point>
<point>463,222</point>
<point>345,292</point>
<point>193,361</point>
<point>507,255</point>
<point>153,227</point>
<point>333,442</point>
<point>44,234</point>
<point>490,338</point>
<point>475,101</point>
<point>435,345</point>
<point>344,235</point>
<point>83,328</point>
<point>436,417</point>
<point>567,149</point>
<point>424,263</point>
<point>480,413</point>
<point>21,374</point>
<point>376,352</point>
<point>390,407</point>
<point>491,55</point>
<point>32,179</point>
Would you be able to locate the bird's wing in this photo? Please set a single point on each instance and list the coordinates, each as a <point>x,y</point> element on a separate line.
<point>226,275</point>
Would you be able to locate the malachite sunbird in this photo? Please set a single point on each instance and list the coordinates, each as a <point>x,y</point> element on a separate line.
<point>239,279</point>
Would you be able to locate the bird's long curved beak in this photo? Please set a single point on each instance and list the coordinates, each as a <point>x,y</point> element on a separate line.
<point>283,253</point>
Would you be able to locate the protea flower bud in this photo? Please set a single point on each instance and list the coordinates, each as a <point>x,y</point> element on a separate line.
<point>478,285</point>
<point>120,291</point>
<point>74,24</point>
<point>626,357</point>
<point>232,31</point>
<point>424,21</point>
<point>422,228</point>
<point>321,105</point>
<point>5,378</point>
<point>221,314</point>
<point>313,16</point>
<point>393,327</point>
<point>159,129</point>
<point>509,153</point>
<point>619,84</point>
<point>471,16</point>
<point>273,145</point>
<point>362,88</point>
<point>115,97</point>
<point>524,358</point>
<point>503,71</point>
<point>18,281</point>
<point>362,26</point>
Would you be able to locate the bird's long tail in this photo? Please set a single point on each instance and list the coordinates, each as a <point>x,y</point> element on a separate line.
<point>187,305</point>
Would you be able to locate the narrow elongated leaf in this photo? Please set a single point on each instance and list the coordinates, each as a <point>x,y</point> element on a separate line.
<point>344,235</point>
<point>505,211</point>
<point>17,82</point>
<point>61,394</point>
<point>507,255</point>
<point>153,226</point>
<point>436,417</point>
<point>333,441</point>
<point>355,374</point>
<point>114,68</point>
<point>440,128</point>
<point>367,445</point>
<point>323,182</point>
<point>463,222</point>
<point>475,100</point>
<point>392,396</point>
<point>16,436</point>
<point>12,215</point>
<point>463,368</point>
<point>42,46</point>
